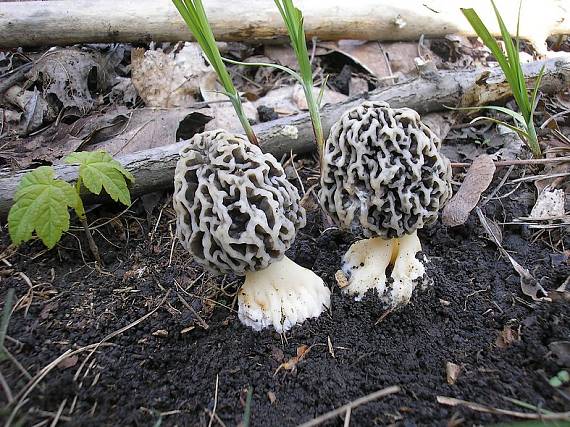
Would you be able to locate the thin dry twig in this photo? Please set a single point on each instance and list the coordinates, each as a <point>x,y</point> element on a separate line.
<point>504,163</point>
<point>215,401</point>
<point>360,401</point>
<point>451,401</point>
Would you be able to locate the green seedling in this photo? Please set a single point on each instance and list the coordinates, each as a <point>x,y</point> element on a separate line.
<point>561,378</point>
<point>42,202</point>
<point>509,62</point>
<point>193,13</point>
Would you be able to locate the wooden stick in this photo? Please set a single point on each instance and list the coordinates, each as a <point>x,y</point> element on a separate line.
<point>65,22</point>
<point>154,168</point>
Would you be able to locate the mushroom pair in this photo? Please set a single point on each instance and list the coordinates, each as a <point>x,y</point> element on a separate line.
<point>382,173</point>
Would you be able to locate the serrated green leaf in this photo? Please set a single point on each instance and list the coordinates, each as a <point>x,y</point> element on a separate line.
<point>98,170</point>
<point>41,205</point>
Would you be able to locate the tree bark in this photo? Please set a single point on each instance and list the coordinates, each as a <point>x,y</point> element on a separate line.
<point>430,91</point>
<point>33,23</point>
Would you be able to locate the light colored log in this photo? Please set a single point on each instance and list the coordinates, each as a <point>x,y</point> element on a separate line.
<point>431,91</point>
<point>64,22</point>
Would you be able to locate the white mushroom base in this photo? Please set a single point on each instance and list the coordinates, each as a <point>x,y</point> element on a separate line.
<point>366,262</point>
<point>281,295</point>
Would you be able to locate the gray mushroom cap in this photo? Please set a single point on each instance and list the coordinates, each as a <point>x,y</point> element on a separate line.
<point>382,172</point>
<point>236,210</point>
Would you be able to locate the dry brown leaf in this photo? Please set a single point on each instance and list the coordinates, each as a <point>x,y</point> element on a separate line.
<point>35,109</point>
<point>379,59</point>
<point>357,86</point>
<point>282,55</point>
<point>169,80</point>
<point>549,204</point>
<point>452,372</point>
<point>291,364</point>
<point>291,100</point>
<point>477,180</point>
<point>439,123</point>
<point>507,337</point>
<point>65,74</point>
<point>223,113</point>
<point>146,128</point>
<point>68,362</point>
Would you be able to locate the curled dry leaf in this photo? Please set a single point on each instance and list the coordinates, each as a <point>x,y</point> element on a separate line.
<point>35,110</point>
<point>452,372</point>
<point>508,336</point>
<point>477,180</point>
<point>66,74</point>
<point>169,80</point>
<point>291,364</point>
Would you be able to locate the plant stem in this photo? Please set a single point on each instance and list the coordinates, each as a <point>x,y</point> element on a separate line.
<point>533,140</point>
<point>83,218</point>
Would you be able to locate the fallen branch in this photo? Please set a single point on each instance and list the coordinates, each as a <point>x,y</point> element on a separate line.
<point>430,91</point>
<point>33,23</point>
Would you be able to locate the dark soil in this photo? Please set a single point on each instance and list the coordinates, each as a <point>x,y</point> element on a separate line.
<point>168,363</point>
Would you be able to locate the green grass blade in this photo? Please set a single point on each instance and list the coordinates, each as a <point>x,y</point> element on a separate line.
<point>488,40</point>
<point>194,14</point>
<point>292,73</point>
<point>520,132</point>
<point>518,84</point>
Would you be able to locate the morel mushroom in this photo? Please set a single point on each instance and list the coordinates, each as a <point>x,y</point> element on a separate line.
<point>383,175</point>
<point>237,212</point>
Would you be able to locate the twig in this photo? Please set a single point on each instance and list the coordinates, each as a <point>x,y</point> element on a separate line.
<point>503,163</point>
<point>58,413</point>
<point>347,417</point>
<point>451,401</point>
<point>215,401</point>
<point>92,245</point>
<point>334,413</point>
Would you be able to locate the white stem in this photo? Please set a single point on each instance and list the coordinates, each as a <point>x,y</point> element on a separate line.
<point>366,262</point>
<point>281,295</point>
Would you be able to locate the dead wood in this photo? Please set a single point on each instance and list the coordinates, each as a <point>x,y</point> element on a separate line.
<point>429,91</point>
<point>33,23</point>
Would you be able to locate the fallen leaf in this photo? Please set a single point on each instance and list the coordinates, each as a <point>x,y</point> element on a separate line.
<point>35,109</point>
<point>68,362</point>
<point>123,92</point>
<point>66,75</point>
<point>169,80</point>
<point>549,204</point>
<point>507,337</point>
<point>357,86</point>
<point>477,180</point>
<point>223,113</point>
<point>452,372</point>
<point>282,55</point>
<point>439,123</point>
<point>291,364</point>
